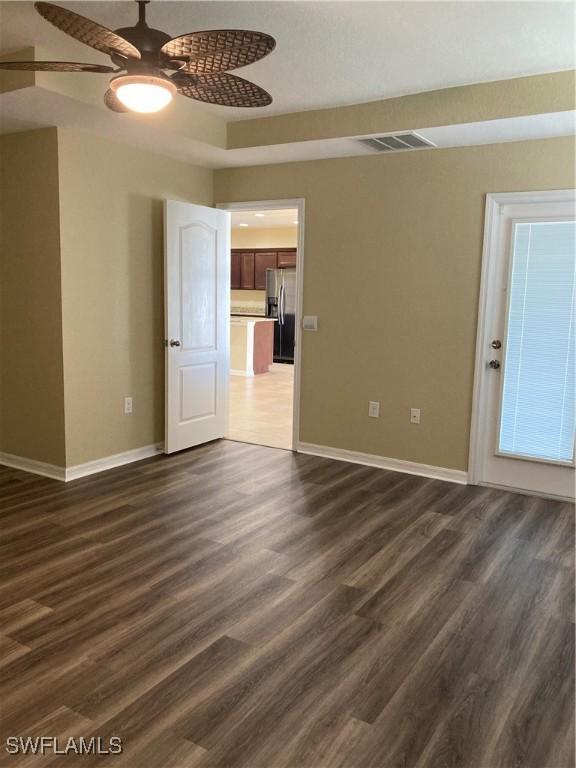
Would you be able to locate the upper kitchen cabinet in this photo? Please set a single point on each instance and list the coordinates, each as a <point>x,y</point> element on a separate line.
<point>263,260</point>
<point>247,270</point>
<point>235,260</point>
<point>248,266</point>
<point>287,258</point>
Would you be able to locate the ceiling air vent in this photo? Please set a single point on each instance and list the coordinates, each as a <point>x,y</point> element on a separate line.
<point>397,142</point>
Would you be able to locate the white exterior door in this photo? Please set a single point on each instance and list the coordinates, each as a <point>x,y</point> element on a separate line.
<point>197,309</point>
<point>523,435</point>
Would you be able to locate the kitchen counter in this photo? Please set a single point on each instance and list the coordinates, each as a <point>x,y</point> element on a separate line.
<point>251,344</point>
<point>244,319</point>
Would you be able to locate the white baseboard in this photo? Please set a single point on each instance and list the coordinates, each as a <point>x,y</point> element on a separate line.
<point>109,462</point>
<point>395,465</point>
<point>524,492</point>
<point>119,459</point>
<point>80,470</point>
<point>53,471</point>
<point>238,372</point>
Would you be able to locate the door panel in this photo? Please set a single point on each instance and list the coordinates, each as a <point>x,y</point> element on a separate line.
<point>289,293</point>
<point>527,390</point>
<point>198,388</point>
<point>286,354</point>
<point>247,270</point>
<point>197,284</point>
<point>263,260</point>
<point>277,356</point>
<point>198,270</point>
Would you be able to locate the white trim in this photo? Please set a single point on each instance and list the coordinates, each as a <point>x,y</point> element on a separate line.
<point>524,492</point>
<point>494,203</point>
<point>273,205</point>
<point>238,372</point>
<point>394,465</point>
<point>116,460</point>
<point>52,471</point>
<point>537,196</point>
<point>80,470</point>
<point>485,305</point>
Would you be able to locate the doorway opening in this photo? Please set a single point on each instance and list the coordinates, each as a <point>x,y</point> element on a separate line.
<point>265,308</point>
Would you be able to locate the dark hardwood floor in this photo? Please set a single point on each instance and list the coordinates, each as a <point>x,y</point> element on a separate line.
<point>235,605</point>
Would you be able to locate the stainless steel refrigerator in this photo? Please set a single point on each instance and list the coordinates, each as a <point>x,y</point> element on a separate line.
<point>281,304</point>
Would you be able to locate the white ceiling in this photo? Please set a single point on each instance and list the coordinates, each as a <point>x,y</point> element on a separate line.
<point>525,128</point>
<point>333,53</point>
<point>287,218</point>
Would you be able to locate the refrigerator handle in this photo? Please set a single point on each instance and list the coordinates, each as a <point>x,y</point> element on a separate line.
<point>281,304</point>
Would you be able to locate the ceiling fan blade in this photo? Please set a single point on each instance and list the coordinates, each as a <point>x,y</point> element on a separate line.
<point>86,31</point>
<point>217,50</point>
<point>113,102</point>
<point>223,89</point>
<point>55,66</point>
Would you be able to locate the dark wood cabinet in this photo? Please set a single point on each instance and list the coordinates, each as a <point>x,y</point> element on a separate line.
<point>287,258</point>
<point>263,260</point>
<point>247,270</point>
<point>235,260</point>
<point>248,266</point>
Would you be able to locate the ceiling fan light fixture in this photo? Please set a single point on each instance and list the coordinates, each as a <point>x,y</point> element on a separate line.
<point>143,93</point>
<point>200,61</point>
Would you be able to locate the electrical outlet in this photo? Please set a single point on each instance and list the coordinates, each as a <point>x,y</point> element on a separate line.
<point>374,409</point>
<point>415,415</point>
<point>127,405</point>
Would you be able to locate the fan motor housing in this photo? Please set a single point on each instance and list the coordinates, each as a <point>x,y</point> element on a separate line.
<point>149,41</point>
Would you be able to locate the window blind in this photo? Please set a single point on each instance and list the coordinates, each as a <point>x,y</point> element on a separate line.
<point>538,398</point>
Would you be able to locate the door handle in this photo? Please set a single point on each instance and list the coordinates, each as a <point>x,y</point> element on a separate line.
<point>494,364</point>
<point>174,342</point>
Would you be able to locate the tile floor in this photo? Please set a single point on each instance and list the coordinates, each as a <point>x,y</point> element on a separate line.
<point>261,407</point>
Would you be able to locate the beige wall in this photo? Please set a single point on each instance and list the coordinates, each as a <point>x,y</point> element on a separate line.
<point>392,264</point>
<point>31,380</point>
<point>534,95</point>
<point>259,237</point>
<point>392,267</point>
<point>113,302</point>
<point>11,80</point>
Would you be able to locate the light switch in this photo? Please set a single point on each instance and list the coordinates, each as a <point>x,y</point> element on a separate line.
<point>310,322</point>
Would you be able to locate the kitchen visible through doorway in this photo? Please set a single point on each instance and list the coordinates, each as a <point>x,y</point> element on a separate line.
<point>263,325</point>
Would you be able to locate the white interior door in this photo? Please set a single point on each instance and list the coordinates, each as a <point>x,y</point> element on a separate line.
<point>526,361</point>
<point>197,304</point>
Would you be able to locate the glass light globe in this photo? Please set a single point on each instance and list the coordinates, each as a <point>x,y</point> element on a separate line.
<point>143,93</point>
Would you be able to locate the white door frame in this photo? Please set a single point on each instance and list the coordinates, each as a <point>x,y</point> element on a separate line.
<point>273,205</point>
<point>494,203</point>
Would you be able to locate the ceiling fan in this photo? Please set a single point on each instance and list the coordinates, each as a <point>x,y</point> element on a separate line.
<point>198,62</point>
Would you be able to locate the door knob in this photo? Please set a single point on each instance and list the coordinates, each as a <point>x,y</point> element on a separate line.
<point>495,343</point>
<point>174,342</point>
<point>494,364</point>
